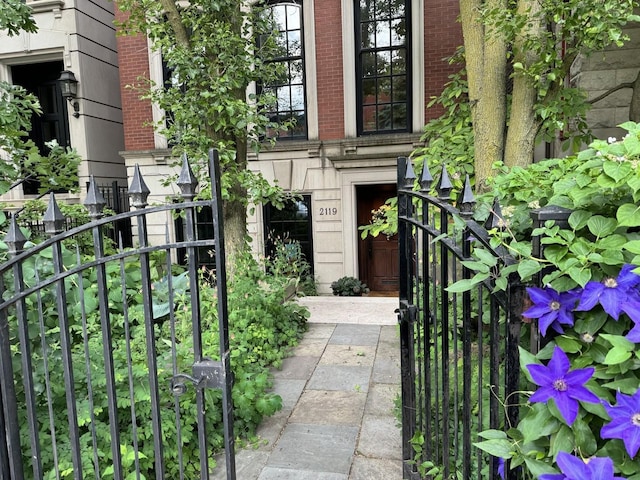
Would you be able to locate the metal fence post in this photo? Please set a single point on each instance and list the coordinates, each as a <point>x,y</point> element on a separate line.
<point>560,217</point>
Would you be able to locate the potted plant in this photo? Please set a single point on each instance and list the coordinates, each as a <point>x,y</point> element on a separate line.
<point>349,287</point>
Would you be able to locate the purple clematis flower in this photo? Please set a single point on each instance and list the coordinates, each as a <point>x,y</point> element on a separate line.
<point>634,333</point>
<point>574,468</point>
<point>625,421</point>
<point>614,294</point>
<point>552,309</point>
<point>563,386</point>
<point>501,467</point>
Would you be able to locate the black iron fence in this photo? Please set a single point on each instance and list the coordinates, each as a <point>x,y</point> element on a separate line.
<point>459,345</point>
<point>103,369</point>
<point>459,350</point>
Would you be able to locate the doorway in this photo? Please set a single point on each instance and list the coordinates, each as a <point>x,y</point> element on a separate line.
<point>378,264</point>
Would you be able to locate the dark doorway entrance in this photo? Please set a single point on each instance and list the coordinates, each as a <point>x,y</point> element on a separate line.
<point>41,80</point>
<point>377,257</point>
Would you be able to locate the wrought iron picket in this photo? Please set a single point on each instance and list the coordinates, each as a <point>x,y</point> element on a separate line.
<point>68,337</point>
<point>459,351</point>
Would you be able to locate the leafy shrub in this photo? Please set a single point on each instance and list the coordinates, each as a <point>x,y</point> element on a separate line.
<point>262,329</point>
<point>586,377</point>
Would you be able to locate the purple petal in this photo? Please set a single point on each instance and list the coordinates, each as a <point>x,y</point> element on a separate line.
<point>579,376</point>
<point>632,441</point>
<point>540,296</point>
<point>590,296</point>
<point>559,363</point>
<point>542,394</point>
<point>634,334</point>
<point>546,321</point>
<point>611,299</point>
<point>567,406</point>
<point>537,311</point>
<point>552,476</point>
<point>572,467</point>
<point>541,375</point>
<point>626,278</point>
<point>632,309</point>
<point>582,394</point>
<point>601,467</point>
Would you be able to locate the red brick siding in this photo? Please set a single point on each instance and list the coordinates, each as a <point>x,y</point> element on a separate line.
<point>442,36</point>
<point>133,59</point>
<point>328,25</point>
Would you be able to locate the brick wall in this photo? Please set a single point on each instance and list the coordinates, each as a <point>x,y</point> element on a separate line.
<point>328,25</point>
<point>443,34</point>
<point>137,116</point>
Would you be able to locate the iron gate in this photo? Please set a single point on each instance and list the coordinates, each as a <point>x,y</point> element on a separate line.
<point>459,351</point>
<point>106,363</point>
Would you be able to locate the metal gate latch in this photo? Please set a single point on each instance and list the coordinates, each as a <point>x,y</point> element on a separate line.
<point>207,373</point>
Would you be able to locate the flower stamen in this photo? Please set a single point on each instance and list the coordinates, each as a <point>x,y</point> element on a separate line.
<point>555,305</point>
<point>610,283</point>
<point>560,385</point>
<point>635,419</point>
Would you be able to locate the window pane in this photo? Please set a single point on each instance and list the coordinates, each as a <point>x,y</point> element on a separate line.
<point>384,63</point>
<point>399,61</point>
<point>369,118</point>
<point>368,32</point>
<point>293,17</point>
<point>383,34</point>
<point>284,99</point>
<point>398,32</point>
<point>296,70</point>
<point>368,64</point>
<point>297,97</point>
<point>399,89</point>
<point>400,116</point>
<point>369,91</point>
<point>384,90</point>
<point>384,117</point>
<point>295,46</point>
<point>397,8</point>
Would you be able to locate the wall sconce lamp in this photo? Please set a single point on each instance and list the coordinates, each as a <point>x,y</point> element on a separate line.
<point>69,87</point>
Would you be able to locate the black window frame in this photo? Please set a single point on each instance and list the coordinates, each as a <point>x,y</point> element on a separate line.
<point>360,74</point>
<point>279,115</point>
<point>306,246</point>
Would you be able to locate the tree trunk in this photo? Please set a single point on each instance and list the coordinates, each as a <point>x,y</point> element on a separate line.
<point>523,126</point>
<point>486,73</point>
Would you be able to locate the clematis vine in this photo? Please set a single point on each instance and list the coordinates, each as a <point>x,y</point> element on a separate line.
<point>574,468</point>
<point>565,387</point>
<point>552,309</point>
<point>625,421</point>
<point>615,295</point>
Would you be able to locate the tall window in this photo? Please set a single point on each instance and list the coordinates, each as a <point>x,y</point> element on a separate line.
<point>288,89</point>
<point>290,225</point>
<point>383,69</point>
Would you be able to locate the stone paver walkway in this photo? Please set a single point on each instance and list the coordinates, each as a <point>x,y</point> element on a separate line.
<point>338,391</point>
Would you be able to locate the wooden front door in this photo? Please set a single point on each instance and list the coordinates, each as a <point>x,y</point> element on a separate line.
<point>377,256</point>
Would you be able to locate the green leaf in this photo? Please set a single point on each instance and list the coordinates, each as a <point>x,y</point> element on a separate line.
<point>568,344</point>
<point>526,268</point>
<point>601,226</point>
<point>562,441</point>
<point>580,275</point>
<point>538,467</point>
<point>628,215</point>
<point>578,219</point>
<point>617,356</point>
<point>585,440</point>
<point>485,257</point>
<point>633,246</point>
<point>619,341</point>
<point>492,434</point>
<point>467,284</point>
<point>537,423</point>
<point>617,170</point>
<point>496,447</point>
<point>628,386</point>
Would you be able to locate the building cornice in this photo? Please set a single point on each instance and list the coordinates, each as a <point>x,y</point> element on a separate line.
<point>40,6</point>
